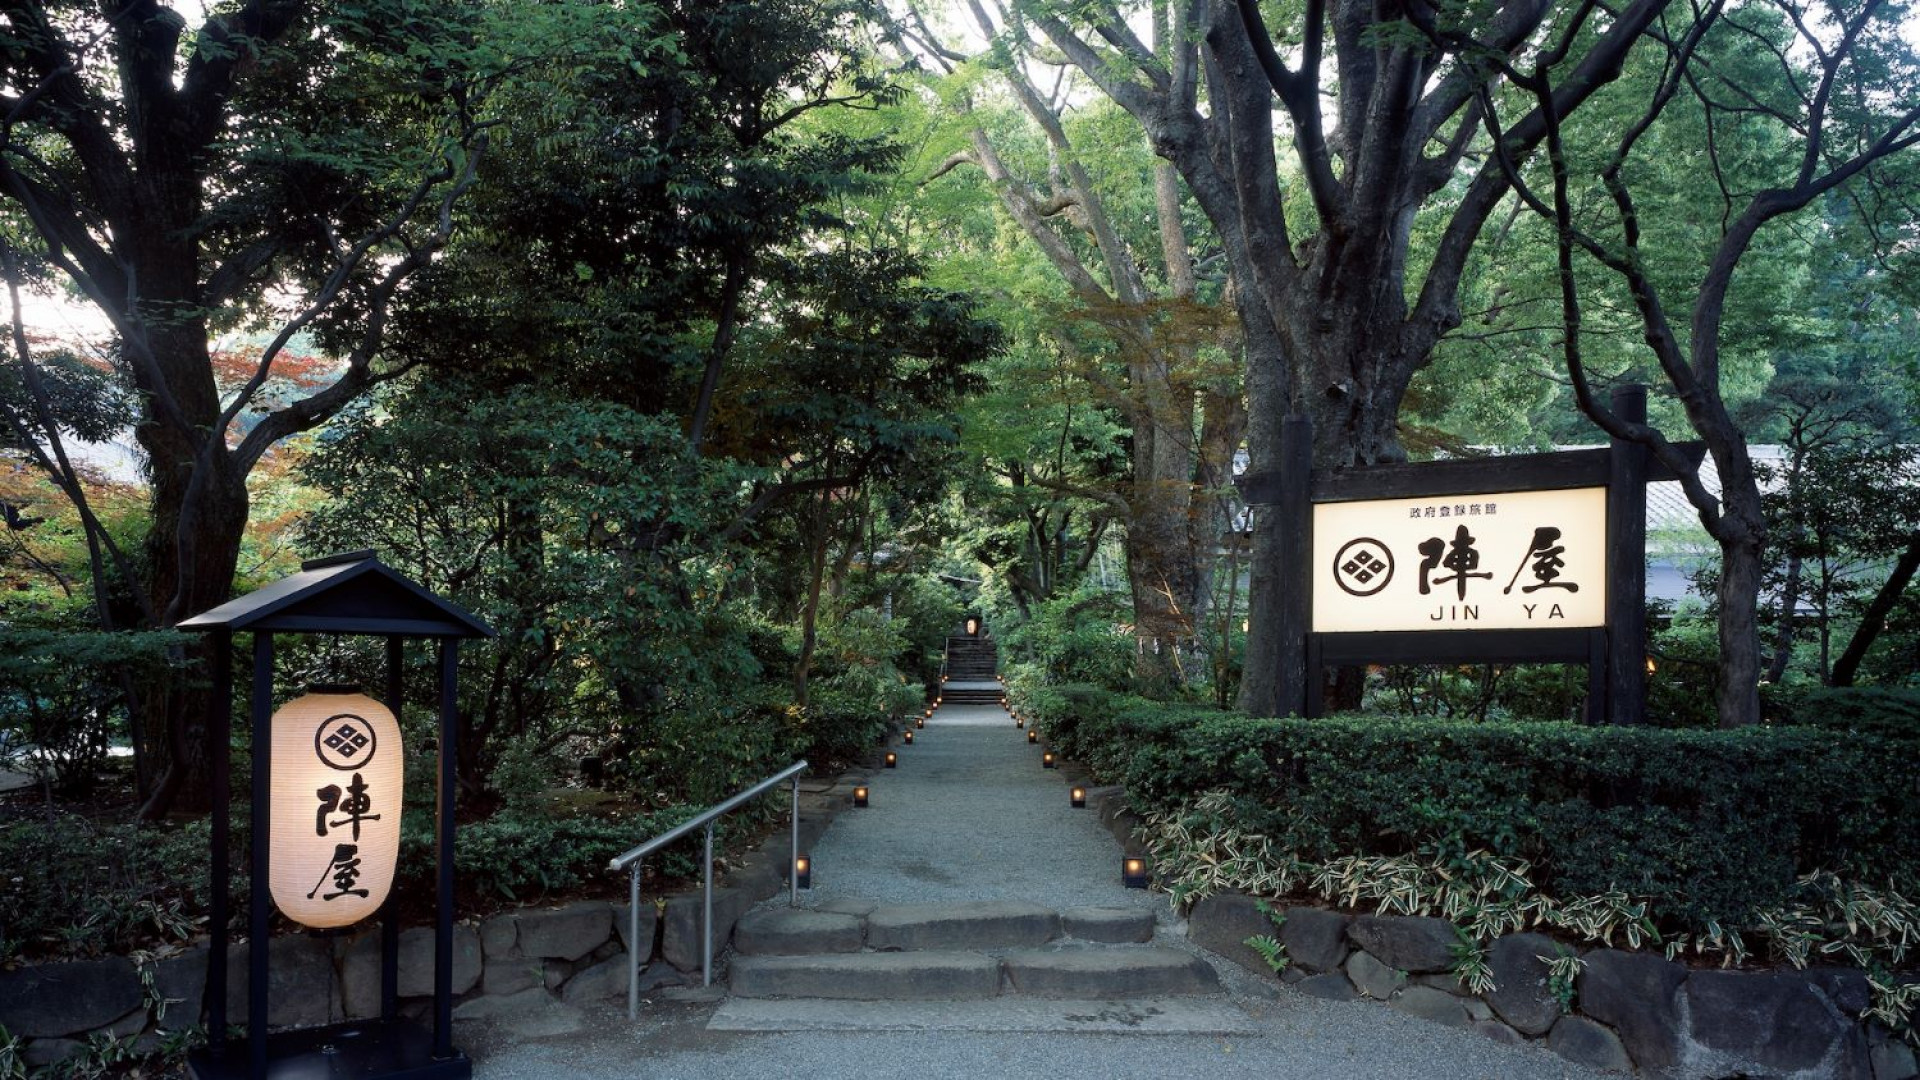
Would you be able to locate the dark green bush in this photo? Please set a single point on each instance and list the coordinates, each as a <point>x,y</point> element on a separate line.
<point>1707,824</point>
<point>72,887</point>
<point>523,855</point>
<point>1889,712</point>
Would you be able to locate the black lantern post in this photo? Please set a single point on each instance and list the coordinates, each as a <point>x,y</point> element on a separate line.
<point>349,594</point>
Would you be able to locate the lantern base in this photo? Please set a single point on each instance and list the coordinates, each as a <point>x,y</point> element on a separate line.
<point>369,1050</point>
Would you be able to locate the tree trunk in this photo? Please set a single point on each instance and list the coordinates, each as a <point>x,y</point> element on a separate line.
<point>1874,618</point>
<point>1789,605</point>
<point>810,613</point>
<point>1739,599</point>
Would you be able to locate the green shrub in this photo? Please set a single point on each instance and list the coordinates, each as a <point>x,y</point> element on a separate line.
<point>522,855</point>
<point>71,887</point>
<point>1709,825</point>
<point>1888,712</point>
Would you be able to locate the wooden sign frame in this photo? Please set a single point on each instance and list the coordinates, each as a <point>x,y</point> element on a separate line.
<point>1614,654</point>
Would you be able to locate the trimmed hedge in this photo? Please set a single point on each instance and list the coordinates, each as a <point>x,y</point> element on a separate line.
<point>1708,825</point>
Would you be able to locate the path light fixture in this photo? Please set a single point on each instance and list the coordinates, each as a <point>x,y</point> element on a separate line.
<point>803,872</point>
<point>1077,797</point>
<point>893,759</point>
<point>1046,760</point>
<point>1133,872</point>
<point>1033,736</point>
<point>973,627</point>
<point>1019,721</point>
<point>860,795</point>
<point>907,736</point>
<point>920,723</point>
<point>325,807</point>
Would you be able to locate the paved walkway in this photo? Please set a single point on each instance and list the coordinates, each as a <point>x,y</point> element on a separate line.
<point>969,814</point>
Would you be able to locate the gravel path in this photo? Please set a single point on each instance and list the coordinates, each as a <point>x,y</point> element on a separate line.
<point>969,814</point>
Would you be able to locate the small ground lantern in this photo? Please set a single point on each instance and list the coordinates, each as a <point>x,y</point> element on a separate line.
<point>1019,721</point>
<point>893,759</point>
<point>1077,797</point>
<point>1046,760</point>
<point>907,736</point>
<point>860,795</point>
<point>1133,872</point>
<point>1033,736</point>
<point>326,784</point>
<point>803,872</point>
<point>973,626</point>
<point>921,722</point>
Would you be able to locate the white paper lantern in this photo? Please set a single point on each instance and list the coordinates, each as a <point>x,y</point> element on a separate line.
<point>338,772</point>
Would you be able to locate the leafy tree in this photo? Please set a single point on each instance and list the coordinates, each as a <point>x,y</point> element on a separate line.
<point>280,168</point>
<point>1833,85</point>
<point>1137,300</point>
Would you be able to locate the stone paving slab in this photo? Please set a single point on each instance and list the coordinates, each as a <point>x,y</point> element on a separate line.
<point>1109,972</point>
<point>971,815</point>
<point>979,924</point>
<point>1135,1016</point>
<point>899,976</point>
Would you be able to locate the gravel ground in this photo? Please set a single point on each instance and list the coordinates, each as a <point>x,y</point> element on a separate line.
<point>969,814</point>
<point>1298,1038</point>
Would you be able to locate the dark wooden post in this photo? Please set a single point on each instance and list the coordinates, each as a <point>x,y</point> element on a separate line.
<point>390,911</point>
<point>259,903</point>
<point>1295,508</point>
<point>443,921</point>
<point>1627,566</point>
<point>220,734</point>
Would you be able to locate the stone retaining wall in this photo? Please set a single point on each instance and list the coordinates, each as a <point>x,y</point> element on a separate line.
<point>1630,1009</point>
<point>575,952</point>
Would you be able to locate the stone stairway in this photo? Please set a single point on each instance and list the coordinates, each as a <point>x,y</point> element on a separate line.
<point>969,896</point>
<point>985,965</point>
<point>973,666</point>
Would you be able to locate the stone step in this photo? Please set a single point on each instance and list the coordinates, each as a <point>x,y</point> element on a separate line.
<point>982,924</point>
<point>896,976</point>
<point>1008,1013</point>
<point>798,932</point>
<point>1108,972</point>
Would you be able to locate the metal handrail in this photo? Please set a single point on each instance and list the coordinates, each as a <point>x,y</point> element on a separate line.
<point>632,861</point>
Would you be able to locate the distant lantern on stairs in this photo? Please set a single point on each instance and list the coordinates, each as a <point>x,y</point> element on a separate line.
<point>337,778</point>
<point>973,627</point>
<point>1133,872</point>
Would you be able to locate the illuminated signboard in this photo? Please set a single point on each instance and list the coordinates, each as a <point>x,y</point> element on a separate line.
<point>1507,561</point>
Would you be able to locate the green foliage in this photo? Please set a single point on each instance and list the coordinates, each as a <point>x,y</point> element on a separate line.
<point>1079,637</point>
<point>1270,948</point>
<point>1885,712</point>
<point>76,888</point>
<point>1704,825</point>
<point>1563,969</point>
<point>524,855</point>
<point>63,699</point>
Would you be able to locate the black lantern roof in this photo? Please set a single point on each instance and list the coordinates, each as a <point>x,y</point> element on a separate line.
<point>351,593</point>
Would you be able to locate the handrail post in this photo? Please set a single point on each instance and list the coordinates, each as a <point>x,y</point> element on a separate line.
<point>633,942</point>
<point>706,921</point>
<point>793,858</point>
